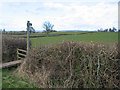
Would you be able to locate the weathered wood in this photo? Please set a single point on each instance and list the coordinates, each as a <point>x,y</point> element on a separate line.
<point>21,54</point>
<point>22,50</point>
<point>20,57</point>
<point>28,42</point>
<point>9,64</point>
<point>17,54</point>
<point>13,63</point>
<point>0,47</point>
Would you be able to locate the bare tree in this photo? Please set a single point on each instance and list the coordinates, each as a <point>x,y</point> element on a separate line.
<point>48,27</point>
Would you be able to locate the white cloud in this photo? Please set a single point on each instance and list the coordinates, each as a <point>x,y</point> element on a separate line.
<point>53,5</point>
<point>59,0</point>
<point>99,15</point>
<point>0,6</point>
<point>76,16</point>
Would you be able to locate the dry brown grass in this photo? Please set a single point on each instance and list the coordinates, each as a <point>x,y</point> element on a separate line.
<point>73,65</point>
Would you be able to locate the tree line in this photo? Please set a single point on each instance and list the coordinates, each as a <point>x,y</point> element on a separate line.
<point>108,30</point>
<point>49,28</point>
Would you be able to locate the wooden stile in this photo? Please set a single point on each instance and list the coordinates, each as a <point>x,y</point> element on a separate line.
<point>21,54</point>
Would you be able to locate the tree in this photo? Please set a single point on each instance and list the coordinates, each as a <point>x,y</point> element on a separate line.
<point>119,30</point>
<point>48,27</point>
<point>4,30</point>
<point>114,29</point>
<point>110,30</point>
<point>101,29</point>
<point>106,30</point>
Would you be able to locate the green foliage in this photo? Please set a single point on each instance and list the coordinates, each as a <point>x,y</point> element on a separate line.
<point>11,81</point>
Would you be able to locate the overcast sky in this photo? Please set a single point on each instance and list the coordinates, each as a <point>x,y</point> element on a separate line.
<point>64,14</point>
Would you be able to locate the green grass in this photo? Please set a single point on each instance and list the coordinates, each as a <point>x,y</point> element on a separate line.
<point>103,37</point>
<point>9,80</point>
<point>52,33</point>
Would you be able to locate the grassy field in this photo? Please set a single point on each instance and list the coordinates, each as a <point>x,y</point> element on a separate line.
<point>11,81</point>
<point>103,37</point>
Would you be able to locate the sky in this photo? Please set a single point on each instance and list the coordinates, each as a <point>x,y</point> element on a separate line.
<point>63,14</point>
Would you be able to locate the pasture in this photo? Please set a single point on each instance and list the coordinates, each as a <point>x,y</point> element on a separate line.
<point>77,36</point>
<point>101,37</point>
<point>10,81</point>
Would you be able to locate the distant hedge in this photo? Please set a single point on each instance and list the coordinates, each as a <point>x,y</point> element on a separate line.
<point>15,33</point>
<point>9,47</point>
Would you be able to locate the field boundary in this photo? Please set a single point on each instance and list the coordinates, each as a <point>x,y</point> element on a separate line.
<point>52,35</point>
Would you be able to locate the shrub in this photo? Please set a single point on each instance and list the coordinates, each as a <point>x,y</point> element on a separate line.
<point>10,45</point>
<point>73,65</point>
<point>15,33</point>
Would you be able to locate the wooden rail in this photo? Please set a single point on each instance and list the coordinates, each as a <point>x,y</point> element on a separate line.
<point>21,55</point>
<point>9,64</point>
<point>22,50</point>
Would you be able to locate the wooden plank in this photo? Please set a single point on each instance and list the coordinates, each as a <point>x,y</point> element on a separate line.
<point>22,50</point>
<point>19,58</point>
<point>21,54</point>
<point>9,64</point>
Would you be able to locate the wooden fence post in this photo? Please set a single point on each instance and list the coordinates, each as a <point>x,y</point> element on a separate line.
<point>28,42</point>
<point>17,53</point>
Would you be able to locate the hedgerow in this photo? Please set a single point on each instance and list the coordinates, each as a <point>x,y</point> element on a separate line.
<point>9,47</point>
<point>73,65</point>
